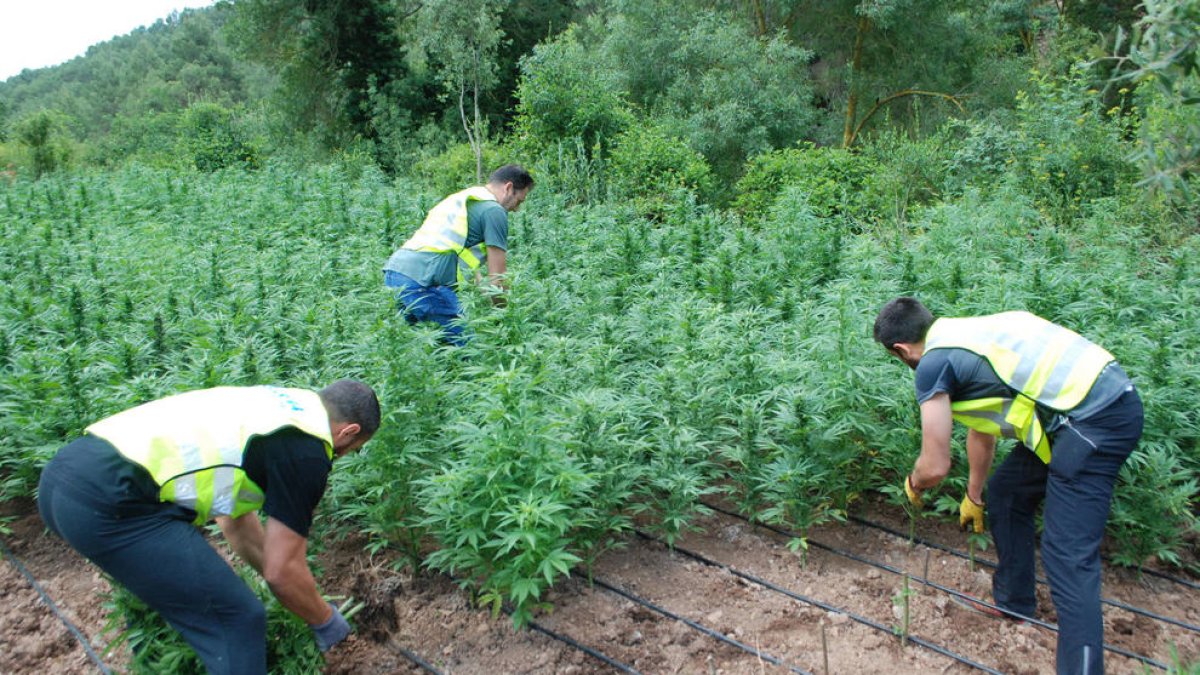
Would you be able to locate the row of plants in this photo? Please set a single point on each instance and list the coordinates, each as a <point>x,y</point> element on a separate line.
<point>648,358</point>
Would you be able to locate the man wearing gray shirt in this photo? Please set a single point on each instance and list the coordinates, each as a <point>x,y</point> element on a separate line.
<point>1076,417</point>
<point>458,235</point>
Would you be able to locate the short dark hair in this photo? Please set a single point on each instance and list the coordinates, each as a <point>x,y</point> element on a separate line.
<point>353,402</point>
<point>512,173</point>
<point>902,320</point>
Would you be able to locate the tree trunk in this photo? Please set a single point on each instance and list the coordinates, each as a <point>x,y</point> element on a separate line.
<point>864,24</point>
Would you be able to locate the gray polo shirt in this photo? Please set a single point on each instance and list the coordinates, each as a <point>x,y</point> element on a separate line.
<point>967,376</point>
<point>487,222</point>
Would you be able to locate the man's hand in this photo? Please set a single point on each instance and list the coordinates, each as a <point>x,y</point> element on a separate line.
<point>969,512</point>
<point>914,495</point>
<point>332,631</point>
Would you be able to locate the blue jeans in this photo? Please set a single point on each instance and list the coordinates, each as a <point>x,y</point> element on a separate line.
<point>1077,488</point>
<point>153,549</point>
<point>438,304</point>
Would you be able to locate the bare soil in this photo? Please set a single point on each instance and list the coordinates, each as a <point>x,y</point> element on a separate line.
<point>428,617</point>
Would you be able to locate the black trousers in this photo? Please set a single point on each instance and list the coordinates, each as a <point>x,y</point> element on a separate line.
<point>151,547</point>
<point>1076,487</point>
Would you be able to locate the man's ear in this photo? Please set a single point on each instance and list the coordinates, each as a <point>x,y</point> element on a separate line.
<point>345,434</point>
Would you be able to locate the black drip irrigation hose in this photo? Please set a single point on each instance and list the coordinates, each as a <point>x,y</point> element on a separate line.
<point>567,640</point>
<point>945,589</point>
<point>1040,579</point>
<point>83,641</point>
<point>697,626</point>
<point>411,656</point>
<point>1171,578</point>
<point>584,648</point>
<point>825,606</point>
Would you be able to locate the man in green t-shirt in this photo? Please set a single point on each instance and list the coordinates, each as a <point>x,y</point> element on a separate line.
<point>459,234</point>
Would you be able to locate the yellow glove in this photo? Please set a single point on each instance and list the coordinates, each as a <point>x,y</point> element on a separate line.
<point>969,512</point>
<point>914,496</point>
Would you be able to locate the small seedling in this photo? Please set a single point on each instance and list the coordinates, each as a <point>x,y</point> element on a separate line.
<point>975,540</point>
<point>901,600</point>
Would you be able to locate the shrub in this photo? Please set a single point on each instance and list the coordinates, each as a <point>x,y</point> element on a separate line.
<point>649,165</point>
<point>44,134</point>
<point>454,168</point>
<point>566,93</point>
<point>834,180</point>
<point>1069,153</point>
<point>209,139</point>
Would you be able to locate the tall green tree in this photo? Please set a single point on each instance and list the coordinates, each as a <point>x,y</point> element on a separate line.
<point>44,134</point>
<point>461,41</point>
<point>330,57</point>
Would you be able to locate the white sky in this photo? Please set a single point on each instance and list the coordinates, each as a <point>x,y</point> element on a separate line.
<point>39,33</point>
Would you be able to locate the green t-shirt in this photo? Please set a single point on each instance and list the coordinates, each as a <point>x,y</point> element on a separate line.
<point>487,222</point>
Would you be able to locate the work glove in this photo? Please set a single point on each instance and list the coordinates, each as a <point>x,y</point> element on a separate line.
<point>914,495</point>
<point>332,631</point>
<point>969,512</point>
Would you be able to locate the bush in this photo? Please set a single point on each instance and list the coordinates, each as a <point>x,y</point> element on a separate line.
<point>454,169</point>
<point>984,152</point>
<point>910,173</point>
<point>45,136</point>
<point>834,180</point>
<point>1069,153</point>
<point>209,139</point>
<point>649,166</point>
<point>565,94</point>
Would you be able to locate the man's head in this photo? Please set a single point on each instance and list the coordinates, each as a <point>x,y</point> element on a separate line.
<point>353,414</point>
<point>511,184</point>
<point>901,327</point>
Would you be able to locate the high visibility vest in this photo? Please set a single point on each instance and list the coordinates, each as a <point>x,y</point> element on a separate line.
<point>1042,362</point>
<point>445,230</point>
<point>193,444</point>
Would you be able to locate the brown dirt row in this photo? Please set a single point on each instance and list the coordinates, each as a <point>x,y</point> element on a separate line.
<point>431,617</point>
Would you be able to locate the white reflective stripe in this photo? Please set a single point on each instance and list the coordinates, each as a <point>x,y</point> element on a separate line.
<point>222,479</point>
<point>1028,359</point>
<point>191,458</point>
<point>249,496</point>
<point>185,491</point>
<point>1070,358</point>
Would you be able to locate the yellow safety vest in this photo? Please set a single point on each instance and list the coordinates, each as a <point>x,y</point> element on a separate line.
<point>445,230</point>
<point>193,444</point>
<point>1043,362</point>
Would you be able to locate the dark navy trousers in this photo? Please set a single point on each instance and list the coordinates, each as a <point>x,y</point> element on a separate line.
<point>1076,487</point>
<point>87,496</point>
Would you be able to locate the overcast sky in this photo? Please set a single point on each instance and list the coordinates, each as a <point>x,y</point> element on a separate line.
<point>39,33</point>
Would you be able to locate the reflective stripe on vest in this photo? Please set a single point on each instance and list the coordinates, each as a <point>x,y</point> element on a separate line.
<point>193,444</point>
<point>445,230</point>
<point>1045,363</point>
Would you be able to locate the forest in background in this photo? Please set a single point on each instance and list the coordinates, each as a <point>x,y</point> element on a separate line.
<point>727,192</point>
<point>693,94</point>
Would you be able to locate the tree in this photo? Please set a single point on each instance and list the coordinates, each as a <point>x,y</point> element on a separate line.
<point>461,40</point>
<point>45,135</point>
<point>329,56</point>
<point>1166,56</point>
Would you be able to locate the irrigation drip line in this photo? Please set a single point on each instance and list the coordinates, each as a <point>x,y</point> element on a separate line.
<point>1154,573</point>
<point>932,584</point>
<point>87,647</point>
<point>395,646</point>
<point>584,648</point>
<point>1040,579</point>
<point>825,606</point>
<point>697,626</point>
<point>567,640</point>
